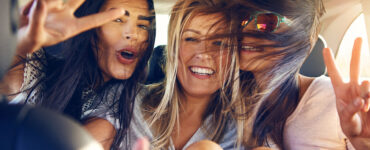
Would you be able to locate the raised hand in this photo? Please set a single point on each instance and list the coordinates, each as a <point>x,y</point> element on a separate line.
<point>352,98</point>
<point>48,22</point>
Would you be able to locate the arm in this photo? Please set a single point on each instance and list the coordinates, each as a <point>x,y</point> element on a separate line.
<point>102,131</point>
<point>352,99</point>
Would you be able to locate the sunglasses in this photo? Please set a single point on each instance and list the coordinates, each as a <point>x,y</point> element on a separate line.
<point>265,21</point>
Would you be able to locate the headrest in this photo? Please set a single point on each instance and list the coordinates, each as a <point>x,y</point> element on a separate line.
<point>314,66</point>
<point>8,29</point>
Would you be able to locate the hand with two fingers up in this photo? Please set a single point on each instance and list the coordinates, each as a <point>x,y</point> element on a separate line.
<point>352,98</point>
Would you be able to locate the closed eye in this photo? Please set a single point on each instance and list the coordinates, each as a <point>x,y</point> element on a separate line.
<point>190,39</point>
<point>217,43</point>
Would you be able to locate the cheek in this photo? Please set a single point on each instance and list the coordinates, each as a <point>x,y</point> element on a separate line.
<point>143,35</point>
<point>185,53</point>
<point>110,35</point>
<point>223,63</point>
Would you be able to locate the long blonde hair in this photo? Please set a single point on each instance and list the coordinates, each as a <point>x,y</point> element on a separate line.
<point>161,107</point>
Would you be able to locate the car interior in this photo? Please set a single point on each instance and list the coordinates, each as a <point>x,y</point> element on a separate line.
<point>343,21</point>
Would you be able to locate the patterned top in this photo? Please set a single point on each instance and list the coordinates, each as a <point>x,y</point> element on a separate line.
<point>35,69</point>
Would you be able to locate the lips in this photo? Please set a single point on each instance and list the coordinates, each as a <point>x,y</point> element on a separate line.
<point>201,72</point>
<point>251,49</point>
<point>126,55</point>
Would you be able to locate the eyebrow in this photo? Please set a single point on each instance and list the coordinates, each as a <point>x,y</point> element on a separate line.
<point>148,18</point>
<point>192,30</point>
<point>140,17</point>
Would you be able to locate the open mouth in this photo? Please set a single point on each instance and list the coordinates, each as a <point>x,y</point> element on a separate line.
<point>249,48</point>
<point>127,54</point>
<point>202,71</point>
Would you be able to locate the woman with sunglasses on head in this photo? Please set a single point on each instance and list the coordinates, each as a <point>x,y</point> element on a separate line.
<point>98,66</point>
<point>282,109</point>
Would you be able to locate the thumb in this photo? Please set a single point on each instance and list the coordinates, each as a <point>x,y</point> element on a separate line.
<point>37,19</point>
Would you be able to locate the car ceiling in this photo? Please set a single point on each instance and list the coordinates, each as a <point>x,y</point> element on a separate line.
<point>337,19</point>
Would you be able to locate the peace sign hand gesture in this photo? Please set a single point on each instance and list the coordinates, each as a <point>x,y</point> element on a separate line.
<point>48,22</point>
<point>353,98</point>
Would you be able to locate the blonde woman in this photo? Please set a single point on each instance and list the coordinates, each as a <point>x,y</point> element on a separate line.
<point>191,104</point>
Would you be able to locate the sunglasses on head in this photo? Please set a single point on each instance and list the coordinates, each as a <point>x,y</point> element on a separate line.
<point>265,21</point>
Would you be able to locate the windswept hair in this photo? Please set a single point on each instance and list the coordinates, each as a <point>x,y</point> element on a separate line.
<point>75,67</point>
<point>265,104</point>
<point>162,106</point>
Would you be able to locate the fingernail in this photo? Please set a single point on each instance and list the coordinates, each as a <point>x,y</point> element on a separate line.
<point>357,102</point>
<point>34,4</point>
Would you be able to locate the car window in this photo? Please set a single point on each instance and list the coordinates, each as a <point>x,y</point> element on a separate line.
<point>357,29</point>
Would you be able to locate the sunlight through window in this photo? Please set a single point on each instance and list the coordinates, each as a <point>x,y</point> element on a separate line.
<point>162,26</point>
<point>357,29</point>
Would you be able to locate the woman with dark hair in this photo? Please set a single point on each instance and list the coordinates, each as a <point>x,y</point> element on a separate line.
<point>190,104</point>
<point>90,69</point>
<point>282,109</point>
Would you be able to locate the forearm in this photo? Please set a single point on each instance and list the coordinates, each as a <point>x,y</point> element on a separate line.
<point>12,81</point>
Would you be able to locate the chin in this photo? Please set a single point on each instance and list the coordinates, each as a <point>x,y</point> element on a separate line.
<point>121,74</point>
<point>200,92</point>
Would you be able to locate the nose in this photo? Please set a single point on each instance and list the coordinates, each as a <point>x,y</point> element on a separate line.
<point>130,31</point>
<point>203,56</point>
<point>202,52</point>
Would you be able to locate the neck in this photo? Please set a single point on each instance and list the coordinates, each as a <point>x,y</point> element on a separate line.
<point>194,105</point>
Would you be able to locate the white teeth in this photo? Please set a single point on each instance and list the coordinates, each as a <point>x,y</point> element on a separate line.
<point>202,71</point>
<point>128,52</point>
<point>250,48</point>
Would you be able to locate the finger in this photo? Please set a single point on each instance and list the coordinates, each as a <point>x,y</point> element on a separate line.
<point>54,4</point>
<point>355,61</point>
<point>95,20</point>
<point>365,89</point>
<point>141,144</point>
<point>74,4</point>
<point>25,10</point>
<point>336,78</point>
<point>347,114</point>
<point>365,94</point>
<point>37,18</point>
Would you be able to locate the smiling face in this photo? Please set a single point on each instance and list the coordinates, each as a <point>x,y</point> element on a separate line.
<point>124,40</point>
<point>254,49</point>
<point>202,63</point>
